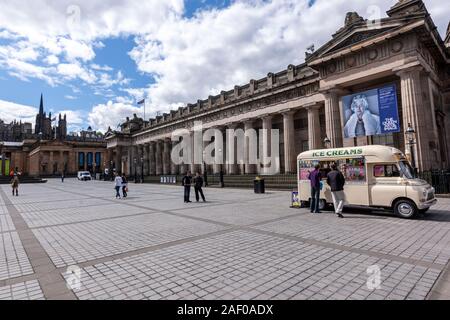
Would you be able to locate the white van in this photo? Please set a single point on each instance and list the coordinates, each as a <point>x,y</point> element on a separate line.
<point>84,176</point>
<point>376,176</point>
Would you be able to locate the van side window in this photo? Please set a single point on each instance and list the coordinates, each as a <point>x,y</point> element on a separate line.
<point>390,170</point>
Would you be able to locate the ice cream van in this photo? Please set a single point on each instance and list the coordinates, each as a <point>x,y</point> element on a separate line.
<point>376,176</point>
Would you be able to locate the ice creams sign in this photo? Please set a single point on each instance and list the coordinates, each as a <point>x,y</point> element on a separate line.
<point>338,153</point>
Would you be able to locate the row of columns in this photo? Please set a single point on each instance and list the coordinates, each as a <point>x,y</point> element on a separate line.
<point>154,158</point>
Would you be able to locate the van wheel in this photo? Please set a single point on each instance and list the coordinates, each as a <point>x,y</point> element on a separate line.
<point>405,209</point>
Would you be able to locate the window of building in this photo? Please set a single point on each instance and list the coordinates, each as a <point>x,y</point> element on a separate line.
<point>390,170</point>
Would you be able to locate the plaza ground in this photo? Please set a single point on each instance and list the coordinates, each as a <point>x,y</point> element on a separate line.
<point>238,245</point>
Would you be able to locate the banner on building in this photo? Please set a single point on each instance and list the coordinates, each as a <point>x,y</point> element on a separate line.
<point>372,112</point>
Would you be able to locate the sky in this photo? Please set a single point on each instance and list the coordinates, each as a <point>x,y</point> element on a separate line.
<point>94,60</point>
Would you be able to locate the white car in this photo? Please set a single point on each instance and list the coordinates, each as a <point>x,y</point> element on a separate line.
<point>84,176</point>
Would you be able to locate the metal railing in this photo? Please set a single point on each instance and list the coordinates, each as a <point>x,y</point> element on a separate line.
<point>439,179</point>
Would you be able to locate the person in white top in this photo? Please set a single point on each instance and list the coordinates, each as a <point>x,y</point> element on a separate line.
<point>118,185</point>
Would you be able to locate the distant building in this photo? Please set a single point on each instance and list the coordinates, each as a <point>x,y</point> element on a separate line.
<point>49,150</point>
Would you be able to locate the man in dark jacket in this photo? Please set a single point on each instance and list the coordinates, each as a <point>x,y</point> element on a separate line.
<point>186,183</point>
<point>336,181</point>
<point>198,184</point>
<point>315,177</point>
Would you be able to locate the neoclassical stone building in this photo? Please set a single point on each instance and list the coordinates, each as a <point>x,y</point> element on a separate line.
<point>50,151</point>
<point>305,101</point>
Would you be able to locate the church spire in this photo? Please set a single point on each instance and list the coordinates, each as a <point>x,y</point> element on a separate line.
<point>41,105</point>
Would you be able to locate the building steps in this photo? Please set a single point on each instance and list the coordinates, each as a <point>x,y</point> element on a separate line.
<point>280,182</point>
<point>22,179</point>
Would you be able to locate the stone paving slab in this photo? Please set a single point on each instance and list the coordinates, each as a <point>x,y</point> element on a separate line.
<point>75,243</point>
<point>13,258</point>
<point>415,239</point>
<point>238,245</point>
<point>245,265</point>
<point>79,214</point>
<point>29,290</point>
<point>6,223</point>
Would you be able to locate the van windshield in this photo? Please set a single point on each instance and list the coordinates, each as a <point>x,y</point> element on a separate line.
<point>406,169</point>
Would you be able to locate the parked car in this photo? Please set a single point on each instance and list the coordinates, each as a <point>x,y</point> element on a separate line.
<point>84,176</point>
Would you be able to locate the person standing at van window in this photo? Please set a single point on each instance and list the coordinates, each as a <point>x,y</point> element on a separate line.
<point>15,184</point>
<point>124,186</point>
<point>198,184</point>
<point>336,181</point>
<point>186,183</point>
<point>118,185</point>
<point>315,177</point>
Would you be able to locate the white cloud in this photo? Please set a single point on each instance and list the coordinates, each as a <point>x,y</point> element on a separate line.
<point>111,114</point>
<point>10,111</point>
<point>189,58</point>
<point>218,49</point>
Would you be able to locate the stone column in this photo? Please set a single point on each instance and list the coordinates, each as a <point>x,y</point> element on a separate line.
<point>159,164</point>
<point>290,156</point>
<point>140,160</point>
<point>333,118</point>
<point>218,152</point>
<point>250,134</point>
<point>130,161</point>
<point>173,167</point>
<point>152,159</point>
<point>3,168</point>
<point>51,162</point>
<point>146,159</point>
<point>266,141</point>
<point>232,166</point>
<point>61,162</point>
<point>166,157</point>
<point>415,108</point>
<point>314,132</point>
<point>118,159</point>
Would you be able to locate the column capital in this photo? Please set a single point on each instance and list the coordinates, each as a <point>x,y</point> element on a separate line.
<point>407,69</point>
<point>267,117</point>
<point>232,125</point>
<point>313,105</point>
<point>338,90</point>
<point>288,112</point>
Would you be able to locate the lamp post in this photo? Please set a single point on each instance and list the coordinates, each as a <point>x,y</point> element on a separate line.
<point>142,169</point>
<point>410,136</point>
<point>327,142</point>
<point>135,173</point>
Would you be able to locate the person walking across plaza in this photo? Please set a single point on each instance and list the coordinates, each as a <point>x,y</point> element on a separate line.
<point>15,184</point>
<point>198,184</point>
<point>186,183</point>
<point>117,185</point>
<point>336,181</point>
<point>315,177</point>
<point>124,186</point>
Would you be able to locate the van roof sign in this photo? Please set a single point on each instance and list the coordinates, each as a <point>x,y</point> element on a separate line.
<point>338,152</point>
<point>372,153</point>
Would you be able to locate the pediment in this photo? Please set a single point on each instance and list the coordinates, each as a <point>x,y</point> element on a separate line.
<point>347,38</point>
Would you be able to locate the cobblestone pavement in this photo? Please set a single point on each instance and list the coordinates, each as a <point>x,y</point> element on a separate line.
<point>238,245</point>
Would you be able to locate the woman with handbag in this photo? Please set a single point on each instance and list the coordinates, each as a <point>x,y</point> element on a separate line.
<point>124,186</point>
